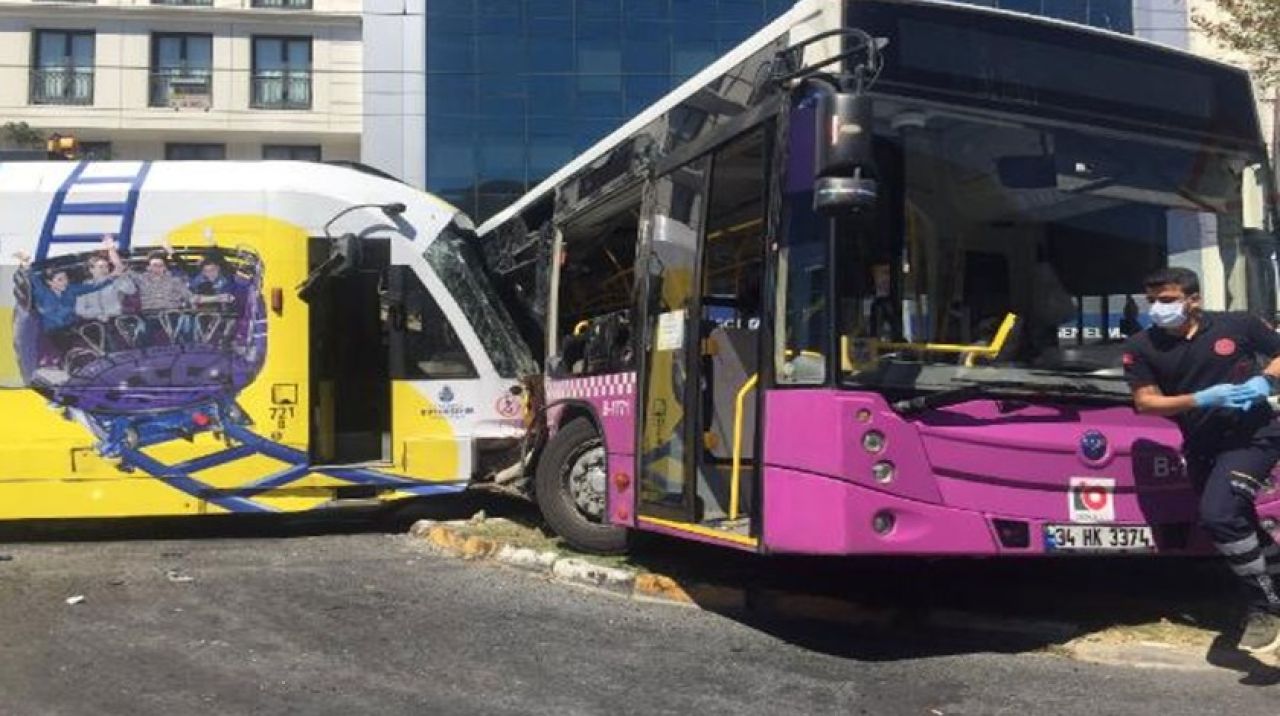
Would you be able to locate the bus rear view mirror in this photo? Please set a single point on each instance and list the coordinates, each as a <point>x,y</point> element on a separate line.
<point>844,163</point>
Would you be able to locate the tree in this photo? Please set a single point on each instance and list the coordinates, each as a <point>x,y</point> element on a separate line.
<point>1252,28</point>
<point>20,135</point>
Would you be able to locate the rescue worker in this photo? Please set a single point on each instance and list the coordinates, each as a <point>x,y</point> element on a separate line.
<point>1202,369</point>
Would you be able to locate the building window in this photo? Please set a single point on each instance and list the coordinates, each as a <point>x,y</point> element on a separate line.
<point>281,73</point>
<point>296,152</point>
<point>96,151</point>
<point>195,151</point>
<point>283,4</point>
<point>181,70</point>
<point>62,67</point>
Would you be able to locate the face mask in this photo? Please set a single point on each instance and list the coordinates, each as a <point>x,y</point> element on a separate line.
<point>1168,315</point>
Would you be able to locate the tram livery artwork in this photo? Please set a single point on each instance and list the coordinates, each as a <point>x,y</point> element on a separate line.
<point>137,304</point>
<point>145,346</point>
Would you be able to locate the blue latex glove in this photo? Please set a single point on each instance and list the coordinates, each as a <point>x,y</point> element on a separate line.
<point>1217,396</point>
<point>1260,386</point>
<point>1249,393</point>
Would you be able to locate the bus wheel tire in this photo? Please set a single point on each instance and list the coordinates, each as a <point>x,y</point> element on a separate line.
<point>557,504</point>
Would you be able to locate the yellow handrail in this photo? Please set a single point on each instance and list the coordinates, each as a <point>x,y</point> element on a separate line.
<point>991,350</point>
<point>736,473</point>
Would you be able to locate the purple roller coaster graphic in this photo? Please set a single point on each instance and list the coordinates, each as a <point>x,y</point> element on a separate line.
<point>144,346</point>
<point>148,348</point>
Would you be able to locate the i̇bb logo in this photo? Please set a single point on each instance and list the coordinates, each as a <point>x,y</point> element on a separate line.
<point>1224,347</point>
<point>1092,499</point>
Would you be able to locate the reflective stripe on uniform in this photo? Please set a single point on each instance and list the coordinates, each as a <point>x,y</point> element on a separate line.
<point>1240,546</point>
<point>1251,568</point>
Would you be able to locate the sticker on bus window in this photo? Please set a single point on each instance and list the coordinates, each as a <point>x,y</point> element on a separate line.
<point>671,330</point>
<point>1092,499</point>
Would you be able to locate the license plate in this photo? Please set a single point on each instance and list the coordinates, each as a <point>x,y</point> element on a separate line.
<point>1098,538</point>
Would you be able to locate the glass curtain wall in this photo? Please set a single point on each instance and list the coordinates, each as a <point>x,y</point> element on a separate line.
<point>517,88</point>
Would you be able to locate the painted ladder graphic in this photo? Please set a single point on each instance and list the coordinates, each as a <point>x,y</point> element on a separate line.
<point>96,199</point>
<point>239,498</point>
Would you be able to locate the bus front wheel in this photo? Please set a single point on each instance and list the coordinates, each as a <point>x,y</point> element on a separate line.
<point>570,488</point>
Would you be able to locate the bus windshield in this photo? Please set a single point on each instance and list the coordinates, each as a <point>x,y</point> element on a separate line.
<point>1014,253</point>
<point>1020,208</point>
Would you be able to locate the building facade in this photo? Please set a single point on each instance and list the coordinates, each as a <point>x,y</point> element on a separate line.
<point>187,79</point>
<point>1268,98</point>
<point>478,100</point>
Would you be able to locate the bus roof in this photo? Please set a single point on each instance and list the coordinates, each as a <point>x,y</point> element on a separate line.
<point>801,11</point>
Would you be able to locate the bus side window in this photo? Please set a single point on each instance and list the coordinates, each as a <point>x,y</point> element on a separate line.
<point>596,279</point>
<point>430,349</point>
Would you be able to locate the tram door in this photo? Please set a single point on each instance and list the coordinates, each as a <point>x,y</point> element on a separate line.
<point>349,358</point>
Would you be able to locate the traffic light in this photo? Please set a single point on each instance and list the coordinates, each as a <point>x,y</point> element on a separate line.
<point>60,147</point>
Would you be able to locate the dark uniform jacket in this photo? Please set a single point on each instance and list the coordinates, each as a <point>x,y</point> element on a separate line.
<point>1225,349</point>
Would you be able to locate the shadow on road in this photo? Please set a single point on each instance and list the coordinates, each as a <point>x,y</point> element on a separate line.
<point>1092,594</point>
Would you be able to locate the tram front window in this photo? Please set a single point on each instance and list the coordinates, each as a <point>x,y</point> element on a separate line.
<point>1046,233</point>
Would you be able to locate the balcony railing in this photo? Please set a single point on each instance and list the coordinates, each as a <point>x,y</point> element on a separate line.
<point>182,88</point>
<point>189,3</point>
<point>62,85</point>
<point>283,4</point>
<point>282,90</point>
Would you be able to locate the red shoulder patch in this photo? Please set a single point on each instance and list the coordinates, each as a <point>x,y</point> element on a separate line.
<point>1127,359</point>
<point>1224,347</point>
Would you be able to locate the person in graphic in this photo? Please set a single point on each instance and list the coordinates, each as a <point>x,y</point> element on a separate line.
<point>163,296</point>
<point>212,288</point>
<point>106,273</point>
<point>160,287</point>
<point>54,298</point>
<point>1202,369</point>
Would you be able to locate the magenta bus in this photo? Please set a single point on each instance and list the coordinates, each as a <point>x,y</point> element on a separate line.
<point>860,287</point>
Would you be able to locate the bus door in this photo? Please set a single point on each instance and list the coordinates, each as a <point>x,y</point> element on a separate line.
<point>349,356</point>
<point>702,308</point>
<point>732,280</point>
<point>675,205</point>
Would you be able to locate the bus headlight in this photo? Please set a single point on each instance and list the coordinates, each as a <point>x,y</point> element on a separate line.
<point>883,522</point>
<point>873,441</point>
<point>883,471</point>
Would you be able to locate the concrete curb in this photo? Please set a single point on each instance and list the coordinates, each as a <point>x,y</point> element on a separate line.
<point>1063,638</point>
<point>1143,654</point>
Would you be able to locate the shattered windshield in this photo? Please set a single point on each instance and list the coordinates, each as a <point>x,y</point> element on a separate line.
<point>457,265</point>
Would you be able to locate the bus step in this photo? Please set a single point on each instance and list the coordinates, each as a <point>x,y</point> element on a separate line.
<point>741,525</point>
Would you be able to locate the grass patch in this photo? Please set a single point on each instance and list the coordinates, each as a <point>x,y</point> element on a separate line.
<point>521,534</point>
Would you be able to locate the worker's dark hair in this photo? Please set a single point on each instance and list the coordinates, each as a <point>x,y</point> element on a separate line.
<point>158,255</point>
<point>1183,278</point>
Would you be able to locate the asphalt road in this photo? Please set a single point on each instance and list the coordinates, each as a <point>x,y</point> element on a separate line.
<point>370,623</point>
